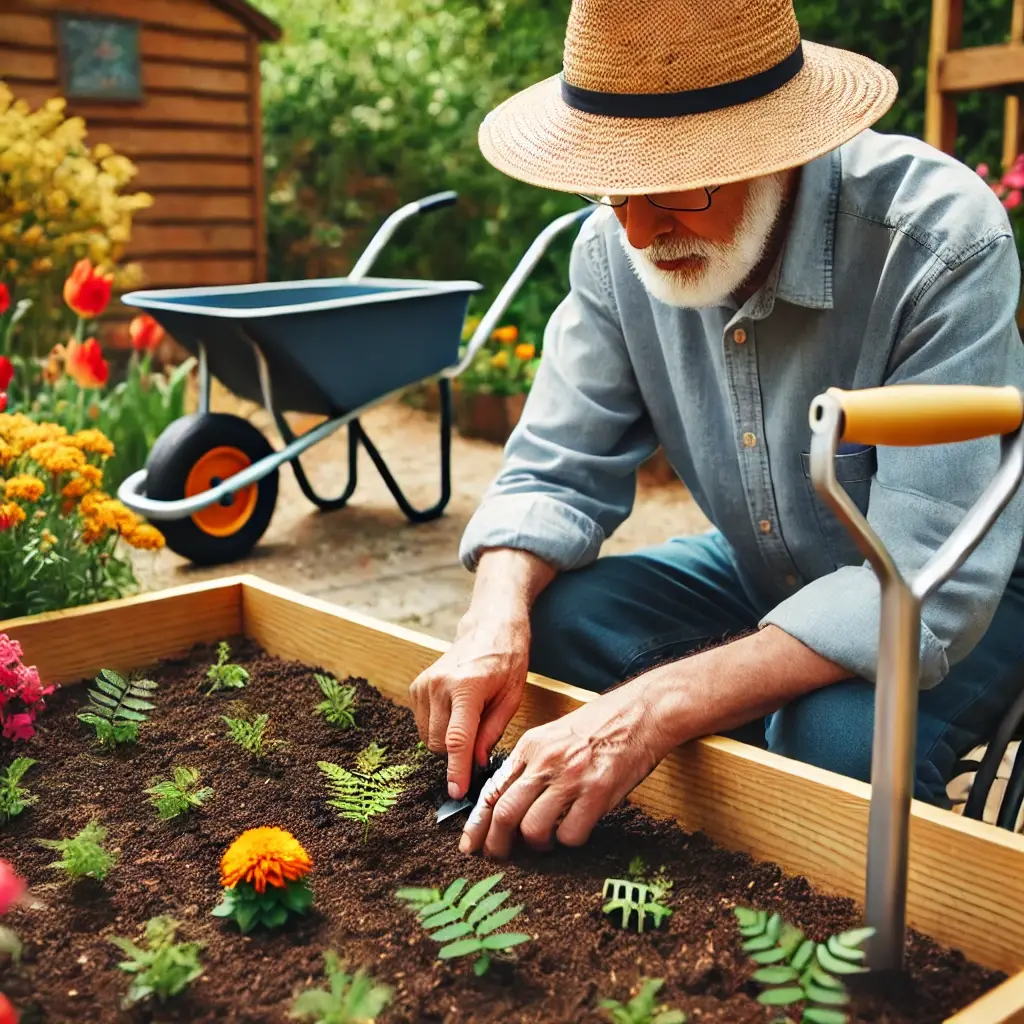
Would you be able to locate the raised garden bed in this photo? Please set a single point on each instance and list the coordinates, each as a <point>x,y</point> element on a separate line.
<point>966,883</point>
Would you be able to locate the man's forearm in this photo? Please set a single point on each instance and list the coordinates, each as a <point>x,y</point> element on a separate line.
<point>508,581</point>
<point>726,686</point>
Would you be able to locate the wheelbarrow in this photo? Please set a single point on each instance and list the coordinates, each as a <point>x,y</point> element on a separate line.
<point>333,348</point>
<point>904,415</point>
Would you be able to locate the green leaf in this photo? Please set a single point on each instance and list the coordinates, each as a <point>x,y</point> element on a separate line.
<point>445,917</point>
<point>486,905</point>
<point>802,957</point>
<point>771,956</point>
<point>781,996</point>
<point>817,1015</point>
<point>461,948</point>
<point>498,920</point>
<point>505,940</point>
<point>481,965</point>
<point>834,965</point>
<point>297,897</point>
<point>837,948</point>
<point>828,996</point>
<point>245,915</point>
<point>274,916</point>
<point>478,891</point>
<point>855,937</point>
<point>453,931</point>
<point>775,975</point>
<point>747,917</point>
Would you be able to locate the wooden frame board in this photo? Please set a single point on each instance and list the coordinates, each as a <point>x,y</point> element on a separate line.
<point>809,821</point>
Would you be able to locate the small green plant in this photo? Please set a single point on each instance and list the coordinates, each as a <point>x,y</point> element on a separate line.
<point>348,999</point>
<point>659,883</point>
<point>179,795</point>
<point>467,922</point>
<point>14,798</point>
<point>83,855</point>
<point>117,707</point>
<point>251,732</point>
<point>161,967</point>
<point>643,1008</point>
<point>223,675</point>
<point>634,898</point>
<point>373,788</point>
<point>795,969</point>
<point>339,703</point>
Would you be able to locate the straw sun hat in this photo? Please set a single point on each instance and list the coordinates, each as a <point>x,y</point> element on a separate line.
<point>672,95</point>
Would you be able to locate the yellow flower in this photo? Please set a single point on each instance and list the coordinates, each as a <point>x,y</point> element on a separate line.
<point>91,502</point>
<point>500,360</point>
<point>77,487</point>
<point>264,855</point>
<point>94,441</point>
<point>145,537</point>
<point>115,516</point>
<point>525,351</point>
<point>93,532</point>
<point>24,487</point>
<point>56,457</point>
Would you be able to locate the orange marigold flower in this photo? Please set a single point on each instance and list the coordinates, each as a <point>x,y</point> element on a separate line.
<point>91,473</point>
<point>506,335</point>
<point>115,516</point>
<point>11,515</point>
<point>525,351</point>
<point>500,360</point>
<point>87,290</point>
<point>262,856</point>
<point>76,488</point>
<point>145,537</point>
<point>24,487</point>
<point>93,441</point>
<point>93,532</point>
<point>57,457</point>
<point>91,502</point>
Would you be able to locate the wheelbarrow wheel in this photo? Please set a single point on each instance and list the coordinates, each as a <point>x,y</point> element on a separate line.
<point>196,453</point>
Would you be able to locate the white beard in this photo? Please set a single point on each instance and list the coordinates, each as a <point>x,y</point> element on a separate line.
<point>725,267</point>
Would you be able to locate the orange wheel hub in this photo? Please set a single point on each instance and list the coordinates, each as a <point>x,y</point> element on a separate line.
<point>228,516</point>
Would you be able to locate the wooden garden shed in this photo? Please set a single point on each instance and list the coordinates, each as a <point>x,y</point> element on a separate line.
<point>175,86</point>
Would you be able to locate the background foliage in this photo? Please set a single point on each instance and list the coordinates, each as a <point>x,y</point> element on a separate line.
<point>371,103</point>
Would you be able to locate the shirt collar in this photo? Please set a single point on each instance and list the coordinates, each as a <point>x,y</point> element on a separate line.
<point>805,277</point>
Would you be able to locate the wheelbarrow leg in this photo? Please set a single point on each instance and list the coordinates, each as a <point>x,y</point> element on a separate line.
<point>415,515</point>
<point>324,504</point>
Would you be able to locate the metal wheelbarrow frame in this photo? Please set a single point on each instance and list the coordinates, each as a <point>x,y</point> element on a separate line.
<point>166,304</point>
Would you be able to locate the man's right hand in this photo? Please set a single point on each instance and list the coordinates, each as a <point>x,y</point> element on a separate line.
<point>464,701</point>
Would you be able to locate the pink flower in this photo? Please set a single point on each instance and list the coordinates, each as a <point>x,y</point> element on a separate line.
<point>21,692</point>
<point>1014,177</point>
<point>982,170</point>
<point>19,726</point>
<point>10,650</point>
<point>12,887</point>
<point>1012,201</point>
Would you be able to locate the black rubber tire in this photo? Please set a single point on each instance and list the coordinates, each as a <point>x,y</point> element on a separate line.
<point>176,451</point>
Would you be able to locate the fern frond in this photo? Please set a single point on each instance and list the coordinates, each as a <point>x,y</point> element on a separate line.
<point>633,898</point>
<point>348,999</point>
<point>14,798</point>
<point>371,790</point>
<point>339,703</point>
<point>251,732</point>
<point>225,676</point>
<point>117,707</point>
<point>371,758</point>
<point>172,797</point>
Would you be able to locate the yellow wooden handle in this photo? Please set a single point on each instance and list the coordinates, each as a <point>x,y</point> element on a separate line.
<point>919,414</point>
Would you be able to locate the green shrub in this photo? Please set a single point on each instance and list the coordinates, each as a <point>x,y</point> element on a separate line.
<point>14,798</point>
<point>172,797</point>
<point>339,703</point>
<point>117,707</point>
<point>161,967</point>
<point>251,732</point>
<point>348,998</point>
<point>83,855</point>
<point>643,1007</point>
<point>223,675</point>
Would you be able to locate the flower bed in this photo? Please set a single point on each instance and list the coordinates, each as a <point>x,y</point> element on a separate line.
<point>574,954</point>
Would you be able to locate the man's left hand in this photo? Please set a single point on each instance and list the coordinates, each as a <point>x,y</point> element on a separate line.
<point>563,776</point>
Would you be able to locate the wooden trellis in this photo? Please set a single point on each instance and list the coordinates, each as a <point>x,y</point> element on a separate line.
<point>952,70</point>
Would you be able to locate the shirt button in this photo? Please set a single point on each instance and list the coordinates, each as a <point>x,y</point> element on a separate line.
<point>766,525</point>
<point>791,580</point>
<point>739,336</point>
<point>749,440</point>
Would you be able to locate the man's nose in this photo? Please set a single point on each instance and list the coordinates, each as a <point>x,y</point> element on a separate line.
<point>643,221</point>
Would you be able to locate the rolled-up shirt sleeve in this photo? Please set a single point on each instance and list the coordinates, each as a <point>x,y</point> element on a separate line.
<point>961,330</point>
<point>569,475</point>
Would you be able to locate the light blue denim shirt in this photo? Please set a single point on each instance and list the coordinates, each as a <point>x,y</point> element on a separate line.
<point>900,267</point>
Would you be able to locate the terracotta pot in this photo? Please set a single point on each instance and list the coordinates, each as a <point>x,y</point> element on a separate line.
<point>487,417</point>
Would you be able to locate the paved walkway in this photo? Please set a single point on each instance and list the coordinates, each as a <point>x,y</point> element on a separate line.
<point>367,556</point>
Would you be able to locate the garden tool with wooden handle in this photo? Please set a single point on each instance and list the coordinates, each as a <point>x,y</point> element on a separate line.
<point>907,415</point>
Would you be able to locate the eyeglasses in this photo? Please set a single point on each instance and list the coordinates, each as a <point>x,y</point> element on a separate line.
<point>664,201</point>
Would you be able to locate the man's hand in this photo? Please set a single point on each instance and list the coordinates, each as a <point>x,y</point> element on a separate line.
<point>563,776</point>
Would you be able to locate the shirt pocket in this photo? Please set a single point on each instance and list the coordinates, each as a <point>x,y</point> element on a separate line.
<point>854,471</point>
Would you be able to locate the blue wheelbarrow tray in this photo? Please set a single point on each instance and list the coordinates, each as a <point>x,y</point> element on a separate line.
<point>331,346</point>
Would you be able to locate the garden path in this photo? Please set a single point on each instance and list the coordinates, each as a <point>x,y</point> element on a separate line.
<point>367,557</point>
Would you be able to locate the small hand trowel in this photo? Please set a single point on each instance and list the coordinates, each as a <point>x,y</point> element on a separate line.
<point>476,783</point>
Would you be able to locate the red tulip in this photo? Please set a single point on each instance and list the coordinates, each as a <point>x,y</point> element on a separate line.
<point>8,1014</point>
<point>3,401</point>
<point>87,291</point>
<point>146,333</point>
<point>5,299</point>
<point>85,364</point>
<point>6,372</point>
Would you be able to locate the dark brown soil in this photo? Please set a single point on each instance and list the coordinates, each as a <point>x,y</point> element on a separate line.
<point>69,973</point>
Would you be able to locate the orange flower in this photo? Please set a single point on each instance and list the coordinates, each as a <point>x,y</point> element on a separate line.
<point>506,335</point>
<point>146,333</point>
<point>24,487</point>
<point>525,351</point>
<point>93,441</point>
<point>144,538</point>
<point>264,855</point>
<point>87,290</point>
<point>86,365</point>
<point>11,515</point>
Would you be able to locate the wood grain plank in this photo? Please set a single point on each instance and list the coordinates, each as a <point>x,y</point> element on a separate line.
<point>174,206</point>
<point>162,239</point>
<point>1003,1005</point>
<point>166,44</point>
<point>940,109</point>
<point>982,67</point>
<point>138,143</point>
<point>187,77</point>
<point>195,15</point>
<point>177,174</point>
<point>75,644</point>
<point>256,118</point>
<point>27,29</point>
<point>18,65</point>
<point>197,270</point>
<point>809,821</point>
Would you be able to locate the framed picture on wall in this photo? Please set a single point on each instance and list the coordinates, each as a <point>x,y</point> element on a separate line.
<point>100,58</point>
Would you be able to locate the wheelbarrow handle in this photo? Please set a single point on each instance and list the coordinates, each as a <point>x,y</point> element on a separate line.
<point>921,414</point>
<point>437,201</point>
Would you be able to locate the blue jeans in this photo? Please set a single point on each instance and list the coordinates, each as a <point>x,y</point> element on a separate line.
<point>627,613</point>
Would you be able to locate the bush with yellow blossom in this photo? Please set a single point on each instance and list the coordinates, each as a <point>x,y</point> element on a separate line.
<point>61,201</point>
<point>506,365</point>
<point>60,534</point>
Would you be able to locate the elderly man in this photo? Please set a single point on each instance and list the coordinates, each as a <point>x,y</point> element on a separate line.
<point>754,244</point>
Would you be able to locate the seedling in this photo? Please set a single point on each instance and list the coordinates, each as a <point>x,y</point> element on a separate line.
<point>117,707</point>
<point>83,855</point>
<point>251,733</point>
<point>633,898</point>
<point>372,789</point>
<point>14,798</point>
<point>172,797</point>
<point>643,1007</point>
<point>223,675</point>
<point>339,703</point>
<point>348,999</point>
<point>472,921</point>
<point>659,883</point>
<point>161,967</point>
<point>795,969</point>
